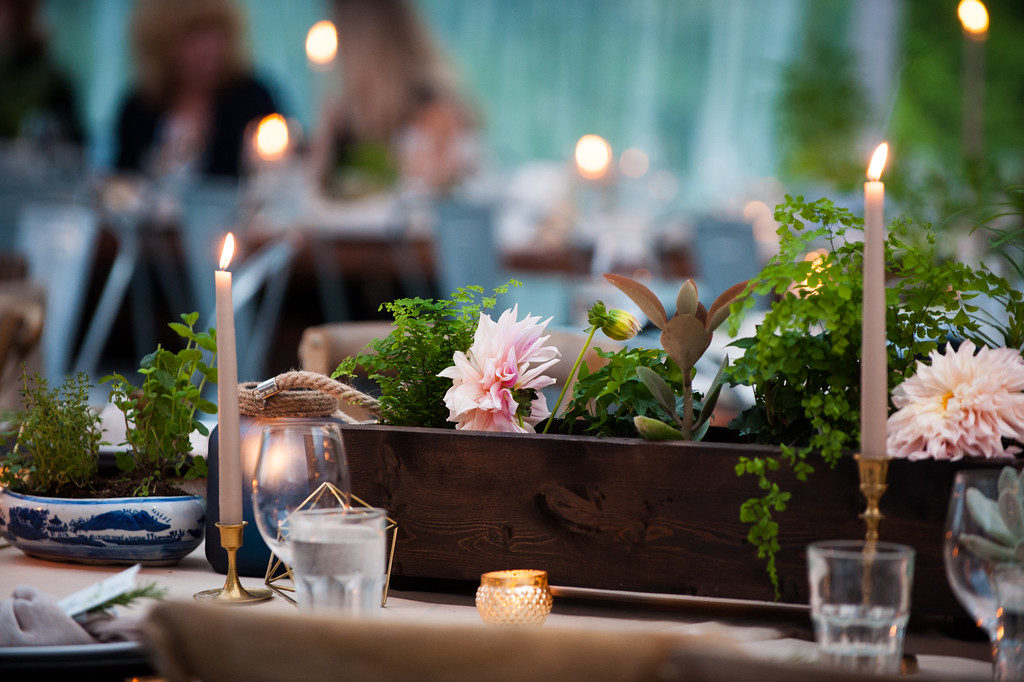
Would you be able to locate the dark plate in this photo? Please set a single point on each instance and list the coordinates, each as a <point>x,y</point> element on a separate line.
<point>116,660</point>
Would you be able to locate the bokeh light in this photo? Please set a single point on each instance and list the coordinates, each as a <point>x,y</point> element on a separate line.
<point>973,16</point>
<point>322,43</point>
<point>272,137</point>
<point>634,163</point>
<point>593,156</point>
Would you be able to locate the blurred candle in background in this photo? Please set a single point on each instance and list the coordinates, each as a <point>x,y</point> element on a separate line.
<point>272,138</point>
<point>593,156</point>
<point>321,44</point>
<point>874,370</point>
<point>974,19</point>
<point>228,429</point>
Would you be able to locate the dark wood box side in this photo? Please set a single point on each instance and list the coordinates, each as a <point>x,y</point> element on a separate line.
<point>626,514</point>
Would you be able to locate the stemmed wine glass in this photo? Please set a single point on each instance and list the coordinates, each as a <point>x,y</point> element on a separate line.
<point>971,573</point>
<point>297,459</point>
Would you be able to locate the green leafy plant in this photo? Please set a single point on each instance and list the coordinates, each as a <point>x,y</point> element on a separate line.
<point>804,360</point>
<point>684,336</point>
<point>160,415</point>
<point>58,439</point>
<point>1002,222</point>
<point>616,324</point>
<point>606,401</point>
<point>406,362</point>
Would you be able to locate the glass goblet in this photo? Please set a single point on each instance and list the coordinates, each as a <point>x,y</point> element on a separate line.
<point>298,458</point>
<point>973,556</point>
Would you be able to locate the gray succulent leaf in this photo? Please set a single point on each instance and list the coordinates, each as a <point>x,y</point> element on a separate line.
<point>1008,480</point>
<point>987,515</point>
<point>983,548</point>
<point>1011,509</point>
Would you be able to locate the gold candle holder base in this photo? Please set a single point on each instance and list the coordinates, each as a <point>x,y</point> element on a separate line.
<point>232,592</point>
<point>873,474</point>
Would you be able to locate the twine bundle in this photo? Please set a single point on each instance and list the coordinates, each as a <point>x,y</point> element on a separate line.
<point>304,395</point>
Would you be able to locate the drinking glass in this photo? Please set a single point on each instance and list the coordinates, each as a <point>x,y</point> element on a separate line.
<point>860,603</point>
<point>973,577</point>
<point>297,457</point>
<point>338,559</point>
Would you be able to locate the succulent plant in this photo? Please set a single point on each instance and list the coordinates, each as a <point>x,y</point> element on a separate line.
<point>1001,519</point>
<point>684,336</point>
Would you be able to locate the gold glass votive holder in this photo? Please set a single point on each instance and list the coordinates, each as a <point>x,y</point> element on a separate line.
<point>520,597</point>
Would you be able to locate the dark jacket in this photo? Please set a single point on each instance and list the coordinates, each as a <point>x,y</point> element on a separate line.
<point>237,104</point>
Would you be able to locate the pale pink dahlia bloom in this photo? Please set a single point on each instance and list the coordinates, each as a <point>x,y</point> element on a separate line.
<point>961,405</point>
<point>488,379</point>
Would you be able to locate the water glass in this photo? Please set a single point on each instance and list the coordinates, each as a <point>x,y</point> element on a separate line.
<point>860,603</point>
<point>338,559</point>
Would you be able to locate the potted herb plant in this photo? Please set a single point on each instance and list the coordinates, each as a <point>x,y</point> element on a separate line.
<point>57,503</point>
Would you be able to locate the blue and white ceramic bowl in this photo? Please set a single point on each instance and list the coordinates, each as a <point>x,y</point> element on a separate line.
<point>153,531</point>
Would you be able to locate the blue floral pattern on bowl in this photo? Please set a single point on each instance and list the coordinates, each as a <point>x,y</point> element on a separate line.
<point>154,531</point>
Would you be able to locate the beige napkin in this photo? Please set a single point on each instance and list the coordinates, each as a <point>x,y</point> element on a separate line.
<point>33,618</point>
<point>197,641</point>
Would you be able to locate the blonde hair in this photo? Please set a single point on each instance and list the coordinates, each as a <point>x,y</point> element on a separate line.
<point>389,63</point>
<point>158,27</point>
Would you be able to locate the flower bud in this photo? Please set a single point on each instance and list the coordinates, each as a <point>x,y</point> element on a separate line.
<point>615,323</point>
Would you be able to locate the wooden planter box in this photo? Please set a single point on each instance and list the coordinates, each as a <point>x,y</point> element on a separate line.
<point>626,514</point>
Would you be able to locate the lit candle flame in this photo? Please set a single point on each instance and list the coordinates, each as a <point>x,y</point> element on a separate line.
<point>593,156</point>
<point>272,137</point>
<point>322,43</point>
<point>878,162</point>
<point>228,251</point>
<point>973,16</point>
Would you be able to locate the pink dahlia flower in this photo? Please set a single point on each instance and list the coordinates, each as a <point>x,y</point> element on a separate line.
<point>961,405</point>
<point>496,384</point>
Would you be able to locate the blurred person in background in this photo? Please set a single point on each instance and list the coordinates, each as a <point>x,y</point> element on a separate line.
<point>36,99</point>
<point>399,119</point>
<point>196,93</point>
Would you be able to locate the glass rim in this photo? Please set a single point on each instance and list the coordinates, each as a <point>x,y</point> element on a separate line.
<point>355,513</point>
<point>985,471</point>
<point>854,549</point>
<point>521,577</point>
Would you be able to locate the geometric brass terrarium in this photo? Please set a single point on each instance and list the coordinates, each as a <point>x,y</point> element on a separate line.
<point>278,571</point>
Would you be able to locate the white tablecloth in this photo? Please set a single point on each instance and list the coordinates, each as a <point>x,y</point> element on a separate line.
<point>781,637</point>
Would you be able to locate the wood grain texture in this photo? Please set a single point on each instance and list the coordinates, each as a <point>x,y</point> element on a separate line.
<point>626,514</point>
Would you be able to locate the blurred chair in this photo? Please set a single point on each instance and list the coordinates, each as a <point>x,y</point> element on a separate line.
<point>466,246</point>
<point>58,240</point>
<point>22,317</point>
<point>30,175</point>
<point>209,210</point>
<point>199,641</point>
<point>265,271</point>
<point>726,254</point>
<point>322,348</point>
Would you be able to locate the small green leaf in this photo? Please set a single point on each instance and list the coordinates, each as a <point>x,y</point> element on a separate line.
<point>181,330</point>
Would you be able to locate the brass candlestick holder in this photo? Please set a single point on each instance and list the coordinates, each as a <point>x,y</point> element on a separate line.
<point>874,472</point>
<point>232,592</point>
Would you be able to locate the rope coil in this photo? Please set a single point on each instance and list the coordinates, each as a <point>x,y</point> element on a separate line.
<point>302,395</point>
